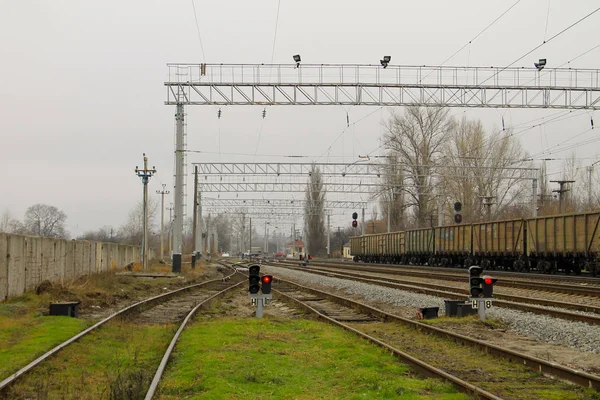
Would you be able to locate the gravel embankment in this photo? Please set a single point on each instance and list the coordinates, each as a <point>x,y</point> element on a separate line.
<point>577,335</point>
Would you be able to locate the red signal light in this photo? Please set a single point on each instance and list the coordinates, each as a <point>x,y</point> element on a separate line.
<point>488,280</point>
<point>354,224</point>
<point>266,279</point>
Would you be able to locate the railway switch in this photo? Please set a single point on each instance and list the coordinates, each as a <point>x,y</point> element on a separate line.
<point>254,279</point>
<point>266,281</point>
<point>475,281</point>
<point>488,286</point>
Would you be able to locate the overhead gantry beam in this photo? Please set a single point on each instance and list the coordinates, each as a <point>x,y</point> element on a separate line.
<point>327,84</point>
<point>325,169</point>
<point>278,203</point>
<point>285,187</point>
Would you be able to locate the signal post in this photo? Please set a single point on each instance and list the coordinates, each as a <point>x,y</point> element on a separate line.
<point>481,290</point>
<point>257,284</point>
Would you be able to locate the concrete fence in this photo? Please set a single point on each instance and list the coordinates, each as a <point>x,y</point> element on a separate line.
<point>26,261</point>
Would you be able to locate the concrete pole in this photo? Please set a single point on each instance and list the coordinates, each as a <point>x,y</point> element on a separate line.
<point>250,250</point>
<point>162,220</point>
<point>363,222</point>
<point>198,244</point>
<point>170,208</point>
<point>208,242</point>
<point>589,171</point>
<point>266,250</point>
<point>145,248</point>
<point>179,157</point>
<point>195,213</point>
<point>328,235</point>
<point>440,211</point>
<point>534,199</point>
<point>389,225</point>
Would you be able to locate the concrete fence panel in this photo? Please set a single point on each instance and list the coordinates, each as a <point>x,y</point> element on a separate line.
<point>3,266</point>
<point>26,261</point>
<point>16,265</point>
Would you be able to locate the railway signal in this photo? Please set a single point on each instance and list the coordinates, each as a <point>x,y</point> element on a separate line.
<point>260,300</point>
<point>265,286</point>
<point>354,217</point>
<point>457,214</point>
<point>488,286</point>
<point>254,279</point>
<point>475,281</point>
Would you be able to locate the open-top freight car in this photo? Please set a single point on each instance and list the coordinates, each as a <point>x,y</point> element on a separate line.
<point>566,242</point>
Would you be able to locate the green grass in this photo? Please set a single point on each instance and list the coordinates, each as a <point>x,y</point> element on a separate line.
<point>118,361</point>
<point>299,359</point>
<point>25,334</point>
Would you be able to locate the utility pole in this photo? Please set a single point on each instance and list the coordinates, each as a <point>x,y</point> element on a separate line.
<point>170,208</point>
<point>145,174</point>
<point>389,214</point>
<point>162,219</point>
<point>341,242</point>
<point>590,170</point>
<point>195,218</point>
<point>328,234</point>
<point>560,193</point>
<point>266,240</point>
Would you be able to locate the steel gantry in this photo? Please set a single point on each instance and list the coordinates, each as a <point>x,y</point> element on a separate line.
<point>396,85</point>
<point>278,203</point>
<point>329,84</point>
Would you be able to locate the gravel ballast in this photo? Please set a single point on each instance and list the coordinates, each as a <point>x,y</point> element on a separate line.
<point>577,335</point>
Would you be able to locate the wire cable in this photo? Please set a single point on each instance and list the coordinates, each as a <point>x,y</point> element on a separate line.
<point>198,30</point>
<point>540,45</point>
<point>474,38</point>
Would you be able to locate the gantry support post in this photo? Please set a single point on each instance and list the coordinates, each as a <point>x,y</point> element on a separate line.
<point>178,225</point>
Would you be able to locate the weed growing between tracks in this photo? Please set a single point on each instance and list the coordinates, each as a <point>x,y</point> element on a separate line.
<point>26,331</point>
<point>499,376</point>
<point>276,358</point>
<point>117,362</point>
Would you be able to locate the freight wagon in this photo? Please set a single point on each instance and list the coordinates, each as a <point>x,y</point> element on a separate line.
<point>567,242</point>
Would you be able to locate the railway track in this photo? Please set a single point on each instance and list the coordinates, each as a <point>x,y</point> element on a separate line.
<point>491,379</point>
<point>166,308</point>
<point>578,286</point>
<point>523,303</point>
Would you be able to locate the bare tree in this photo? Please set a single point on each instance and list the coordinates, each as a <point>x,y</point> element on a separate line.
<point>45,220</point>
<point>416,139</point>
<point>546,203</point>
<point>132,231</point>
<point>104,234</point>
<point>315,213</point>
<point>8,224</point>
<point>391,199</point>
<point>224,231</point>
<point>480,171</point>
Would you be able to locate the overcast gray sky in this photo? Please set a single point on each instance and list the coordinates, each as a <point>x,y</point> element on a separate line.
<point>82,93</point>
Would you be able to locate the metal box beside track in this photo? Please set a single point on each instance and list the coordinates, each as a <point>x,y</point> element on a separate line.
<point>563,235</point>
<point>499,238</point>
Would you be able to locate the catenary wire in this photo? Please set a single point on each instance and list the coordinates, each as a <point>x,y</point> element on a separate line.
<point>198,30</point>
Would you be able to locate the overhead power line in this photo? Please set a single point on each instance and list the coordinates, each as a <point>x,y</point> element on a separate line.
<point>198,30</point>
